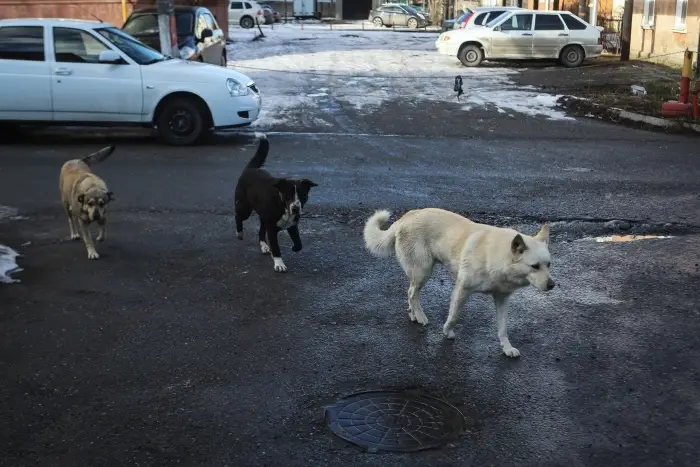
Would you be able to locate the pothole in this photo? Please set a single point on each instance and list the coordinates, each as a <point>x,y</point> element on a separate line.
<point>395,421</point>
<point>625,238</point>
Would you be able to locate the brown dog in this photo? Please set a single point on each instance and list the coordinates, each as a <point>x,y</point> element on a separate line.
<point>85,197</point>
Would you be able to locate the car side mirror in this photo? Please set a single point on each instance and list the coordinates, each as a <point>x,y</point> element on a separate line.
<point>109,56</point>
<point>206,33</point>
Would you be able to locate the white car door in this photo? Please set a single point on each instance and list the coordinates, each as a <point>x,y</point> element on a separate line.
<point>513,37</point>
<point>85,89</point>
<point>25,79</point>
<point>235,11</point>
<point>549,36</point>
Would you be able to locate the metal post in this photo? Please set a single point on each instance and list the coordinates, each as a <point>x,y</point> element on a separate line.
<point>626,35</point>
<point>165,8</point>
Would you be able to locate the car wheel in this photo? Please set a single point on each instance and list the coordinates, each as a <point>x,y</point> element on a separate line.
<point>471,55</point>
<point>412,23</point>
<point>247,22</point>
<point>572,56</point>
<point>181,122</point>
<point>378,22</point>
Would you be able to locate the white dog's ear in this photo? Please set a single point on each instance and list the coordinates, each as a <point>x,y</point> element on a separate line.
<point>543,234</point>
<point>518,246</point>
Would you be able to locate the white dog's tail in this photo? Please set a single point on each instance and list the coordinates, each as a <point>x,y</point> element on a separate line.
<point>380,242</point>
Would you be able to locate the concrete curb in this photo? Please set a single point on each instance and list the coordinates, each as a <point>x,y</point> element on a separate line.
<point>617,115</point>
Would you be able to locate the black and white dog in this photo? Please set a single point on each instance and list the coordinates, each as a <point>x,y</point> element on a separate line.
<point>277,201</point>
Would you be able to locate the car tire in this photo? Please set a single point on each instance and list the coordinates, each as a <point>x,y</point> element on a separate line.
<point>412,23</point>
<point>378,22</point>
<point>471,55</point>
<point>247,22</point>
<point>572,56</point>
<point>181,122</point>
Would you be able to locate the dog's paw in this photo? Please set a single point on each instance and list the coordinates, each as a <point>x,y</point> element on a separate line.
<point>420,318</point>
<point>74,237</point>
<point>448,333</point>
<point>411,316</point>
<point>279,265</point>
<point>511,352</point>
<point>239,235</point>
<point>296,248</point>
<point>264,249</point>
<point>93,255</point>
<point>100,238</point>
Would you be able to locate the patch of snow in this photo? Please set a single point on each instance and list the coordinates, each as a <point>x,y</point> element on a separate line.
<point>8,264</point>
<point>293,67</point>
<point>524,102</point>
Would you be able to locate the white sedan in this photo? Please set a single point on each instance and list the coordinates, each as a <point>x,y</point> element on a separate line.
<point>524,35</point>
<point>72,72</point>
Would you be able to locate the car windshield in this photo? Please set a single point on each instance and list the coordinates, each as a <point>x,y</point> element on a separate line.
<point>138,52</point>
<point>147,23</point>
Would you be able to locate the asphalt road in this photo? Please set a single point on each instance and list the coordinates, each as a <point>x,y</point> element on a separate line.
<point>181,346</point>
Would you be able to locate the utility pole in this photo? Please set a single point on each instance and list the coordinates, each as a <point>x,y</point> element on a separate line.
<point>626,34</point>
<point>166,14</point>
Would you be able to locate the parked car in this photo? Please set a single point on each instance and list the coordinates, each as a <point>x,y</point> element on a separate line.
<point>271,16</point>
<point>523,35</point>
<point>73,72</point>
<point>245,14</point>
<point>480,16</point>
<point>395,14</point>
<point>199,36</point>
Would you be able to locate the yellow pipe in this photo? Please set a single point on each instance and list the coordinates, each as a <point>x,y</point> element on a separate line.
<point>124,10</point>
<point>687,64</point>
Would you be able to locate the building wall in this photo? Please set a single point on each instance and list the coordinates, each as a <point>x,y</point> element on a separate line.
<point>109,11</point>
<point>662,43</point>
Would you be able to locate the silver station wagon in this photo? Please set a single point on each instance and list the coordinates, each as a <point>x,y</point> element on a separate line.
<point>524,35</point>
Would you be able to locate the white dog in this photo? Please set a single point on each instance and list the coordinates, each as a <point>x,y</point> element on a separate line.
<point>481,258</point>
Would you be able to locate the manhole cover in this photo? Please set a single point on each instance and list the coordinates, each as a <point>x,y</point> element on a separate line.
<point>395,421</point>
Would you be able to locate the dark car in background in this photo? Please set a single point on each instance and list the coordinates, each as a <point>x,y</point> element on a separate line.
<point>199,36</point>
<point>396,14</point>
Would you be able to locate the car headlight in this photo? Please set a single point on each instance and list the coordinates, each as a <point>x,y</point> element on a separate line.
<point>187,52</point>
<point>235,88</point>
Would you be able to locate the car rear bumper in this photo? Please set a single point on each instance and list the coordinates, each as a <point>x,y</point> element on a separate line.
<point>593,51</point>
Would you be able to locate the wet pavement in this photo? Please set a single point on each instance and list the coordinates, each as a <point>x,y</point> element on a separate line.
<point>182,346</point>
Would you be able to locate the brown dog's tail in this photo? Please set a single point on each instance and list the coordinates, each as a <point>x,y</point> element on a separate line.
<point>258,159</point>
<point>99,156</point>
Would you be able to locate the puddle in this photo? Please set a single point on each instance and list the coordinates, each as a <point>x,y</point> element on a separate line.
<point>8,264</point>
<point>626,238</point>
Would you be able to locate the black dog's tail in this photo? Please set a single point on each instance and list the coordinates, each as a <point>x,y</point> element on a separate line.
<point>258,159</point>
<point>99,156</point>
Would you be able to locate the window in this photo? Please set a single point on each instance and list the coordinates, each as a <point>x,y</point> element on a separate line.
<point>22,43</point>
<point>548,23</point>
<point>248,6</point>
<point>648,18</point>
<point>200,26</point>
<point>76,46</point>
<point>211,22</point>
<point>494,15</point>
<point>681,14</point>
<point>236,6</point>
<point>147,23</point>
<point>521,22</point>
<point>481,19</point>
<point>573,23</point>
